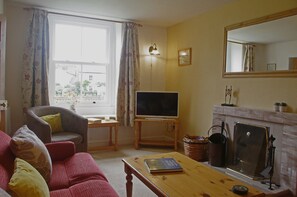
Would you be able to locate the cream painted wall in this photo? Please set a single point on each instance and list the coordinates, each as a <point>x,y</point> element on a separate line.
<point>152,68</point>
<point>1,7</point>
<point>16,27</point>
<point>201,85</point>
<point>15,38</point>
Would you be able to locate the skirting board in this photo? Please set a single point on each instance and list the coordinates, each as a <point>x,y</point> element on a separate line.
<point>127,141</point>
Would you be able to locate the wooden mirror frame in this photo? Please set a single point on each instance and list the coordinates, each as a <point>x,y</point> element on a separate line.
<point>280,73</point>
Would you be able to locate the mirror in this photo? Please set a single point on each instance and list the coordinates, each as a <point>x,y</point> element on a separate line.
<point>263,47</point>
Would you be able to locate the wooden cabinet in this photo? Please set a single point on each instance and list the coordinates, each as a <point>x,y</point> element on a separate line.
<point>140,141</point>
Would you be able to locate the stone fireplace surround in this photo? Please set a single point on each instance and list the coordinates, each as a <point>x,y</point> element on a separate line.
<point>283,126</point>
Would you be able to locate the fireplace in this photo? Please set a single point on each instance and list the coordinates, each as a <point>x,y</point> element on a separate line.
<point>249,155</point>
<point>283,126</point>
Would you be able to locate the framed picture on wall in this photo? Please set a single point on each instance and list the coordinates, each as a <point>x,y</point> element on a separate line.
<point>185,57</point>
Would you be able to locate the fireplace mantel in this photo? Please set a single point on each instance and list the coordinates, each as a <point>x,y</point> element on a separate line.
<point>282,125</point>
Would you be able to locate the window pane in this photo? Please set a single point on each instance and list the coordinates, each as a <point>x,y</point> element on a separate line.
<point>234,57</point>
<point>67,83</point>
<point>79,43</point>
<point>67,42</point>
<point>73,85</point>
<point>94,83</point>
<point>94,69</point>
<point>94,45</point>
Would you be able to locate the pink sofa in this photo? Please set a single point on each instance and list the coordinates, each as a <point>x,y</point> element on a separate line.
<point>74,174</point>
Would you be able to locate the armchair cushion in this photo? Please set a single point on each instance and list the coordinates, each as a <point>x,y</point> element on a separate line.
<point>67,136</point>
<point>27,146</point>
<point>27,181</point>
<point>54,120</point>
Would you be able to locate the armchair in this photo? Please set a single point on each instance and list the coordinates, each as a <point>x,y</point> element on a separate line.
<point>75,126</point>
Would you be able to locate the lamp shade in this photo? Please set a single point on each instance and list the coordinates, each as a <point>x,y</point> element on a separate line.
<point>153,50</point>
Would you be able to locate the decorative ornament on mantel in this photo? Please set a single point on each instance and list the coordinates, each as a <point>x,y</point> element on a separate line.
<point>228,96</point>
<point>280,107</point>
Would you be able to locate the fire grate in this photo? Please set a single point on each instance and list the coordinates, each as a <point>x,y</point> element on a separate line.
<point>249,150</point>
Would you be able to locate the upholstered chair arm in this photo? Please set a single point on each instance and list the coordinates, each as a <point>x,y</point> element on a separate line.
<point>60,150</point>
<point>41,128</point>
<point>74,122</point>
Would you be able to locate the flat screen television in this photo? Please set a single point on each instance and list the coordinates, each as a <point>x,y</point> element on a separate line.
<point>153,104</point>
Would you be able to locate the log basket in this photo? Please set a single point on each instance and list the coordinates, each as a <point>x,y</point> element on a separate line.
<point>196,147</point>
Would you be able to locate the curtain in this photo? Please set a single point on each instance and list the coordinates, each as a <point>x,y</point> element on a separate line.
<point>128,75</point>
<point>36,60</point>
<point>248,58</point>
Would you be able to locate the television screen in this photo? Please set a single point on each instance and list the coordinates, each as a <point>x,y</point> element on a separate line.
<point>156,104</point>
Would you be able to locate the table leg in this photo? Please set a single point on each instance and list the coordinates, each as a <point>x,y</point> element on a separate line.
<point>176,129</point>
<point>110,135</point>
<point>139,131</point>
<point>129,184</point>
<point>116,128</point>
<point>136,133</point>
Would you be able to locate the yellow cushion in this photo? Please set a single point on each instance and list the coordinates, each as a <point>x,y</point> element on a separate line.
<point>26,181</point>
<point>54,120</point>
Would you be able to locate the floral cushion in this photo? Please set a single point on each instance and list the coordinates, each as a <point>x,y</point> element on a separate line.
<point>27,146</point>
<point>27,181</point>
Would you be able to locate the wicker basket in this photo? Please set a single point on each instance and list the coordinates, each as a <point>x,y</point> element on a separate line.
<point>196,147</point>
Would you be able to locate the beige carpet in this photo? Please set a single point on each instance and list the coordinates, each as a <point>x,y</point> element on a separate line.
<point>111,164</point>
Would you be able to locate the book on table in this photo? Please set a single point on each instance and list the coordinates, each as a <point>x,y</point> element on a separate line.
<point>162,165</point>
<point>94,120</point>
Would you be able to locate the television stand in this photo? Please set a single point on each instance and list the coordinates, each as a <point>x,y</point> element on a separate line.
<point>137,131</point>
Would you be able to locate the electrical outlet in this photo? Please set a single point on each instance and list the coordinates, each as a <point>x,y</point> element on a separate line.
<point>3,104</point>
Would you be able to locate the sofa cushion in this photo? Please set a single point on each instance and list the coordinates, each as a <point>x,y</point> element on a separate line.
<point>82,167</point>
<point>76,169</point>
<point>67,136</point>
<point>27,146</point>
<point>55,148</point>
<point>61,192</point>
<point>59,179</point>
<point>27,181</point>
<point>6,160</point>
<point>54,120</point>
<point>98,188</point>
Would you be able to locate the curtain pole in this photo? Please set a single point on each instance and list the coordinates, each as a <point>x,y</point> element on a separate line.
<point>241,43</point>
<point>86,17</point>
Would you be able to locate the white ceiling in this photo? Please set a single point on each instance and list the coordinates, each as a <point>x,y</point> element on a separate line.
<point>151,12</point>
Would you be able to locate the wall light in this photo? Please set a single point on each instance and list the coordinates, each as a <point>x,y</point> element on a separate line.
<point>153,50</point>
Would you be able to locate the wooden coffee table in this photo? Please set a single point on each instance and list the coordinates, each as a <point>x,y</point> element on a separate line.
<point>196,179</point>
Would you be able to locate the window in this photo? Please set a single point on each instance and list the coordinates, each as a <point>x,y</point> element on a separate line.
<point>234,57</point>
<point>83,59</point>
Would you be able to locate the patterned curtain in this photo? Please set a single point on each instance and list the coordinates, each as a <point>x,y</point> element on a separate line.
<point>248,58</point>
<point>128,75</point>
<point>36,61</point>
